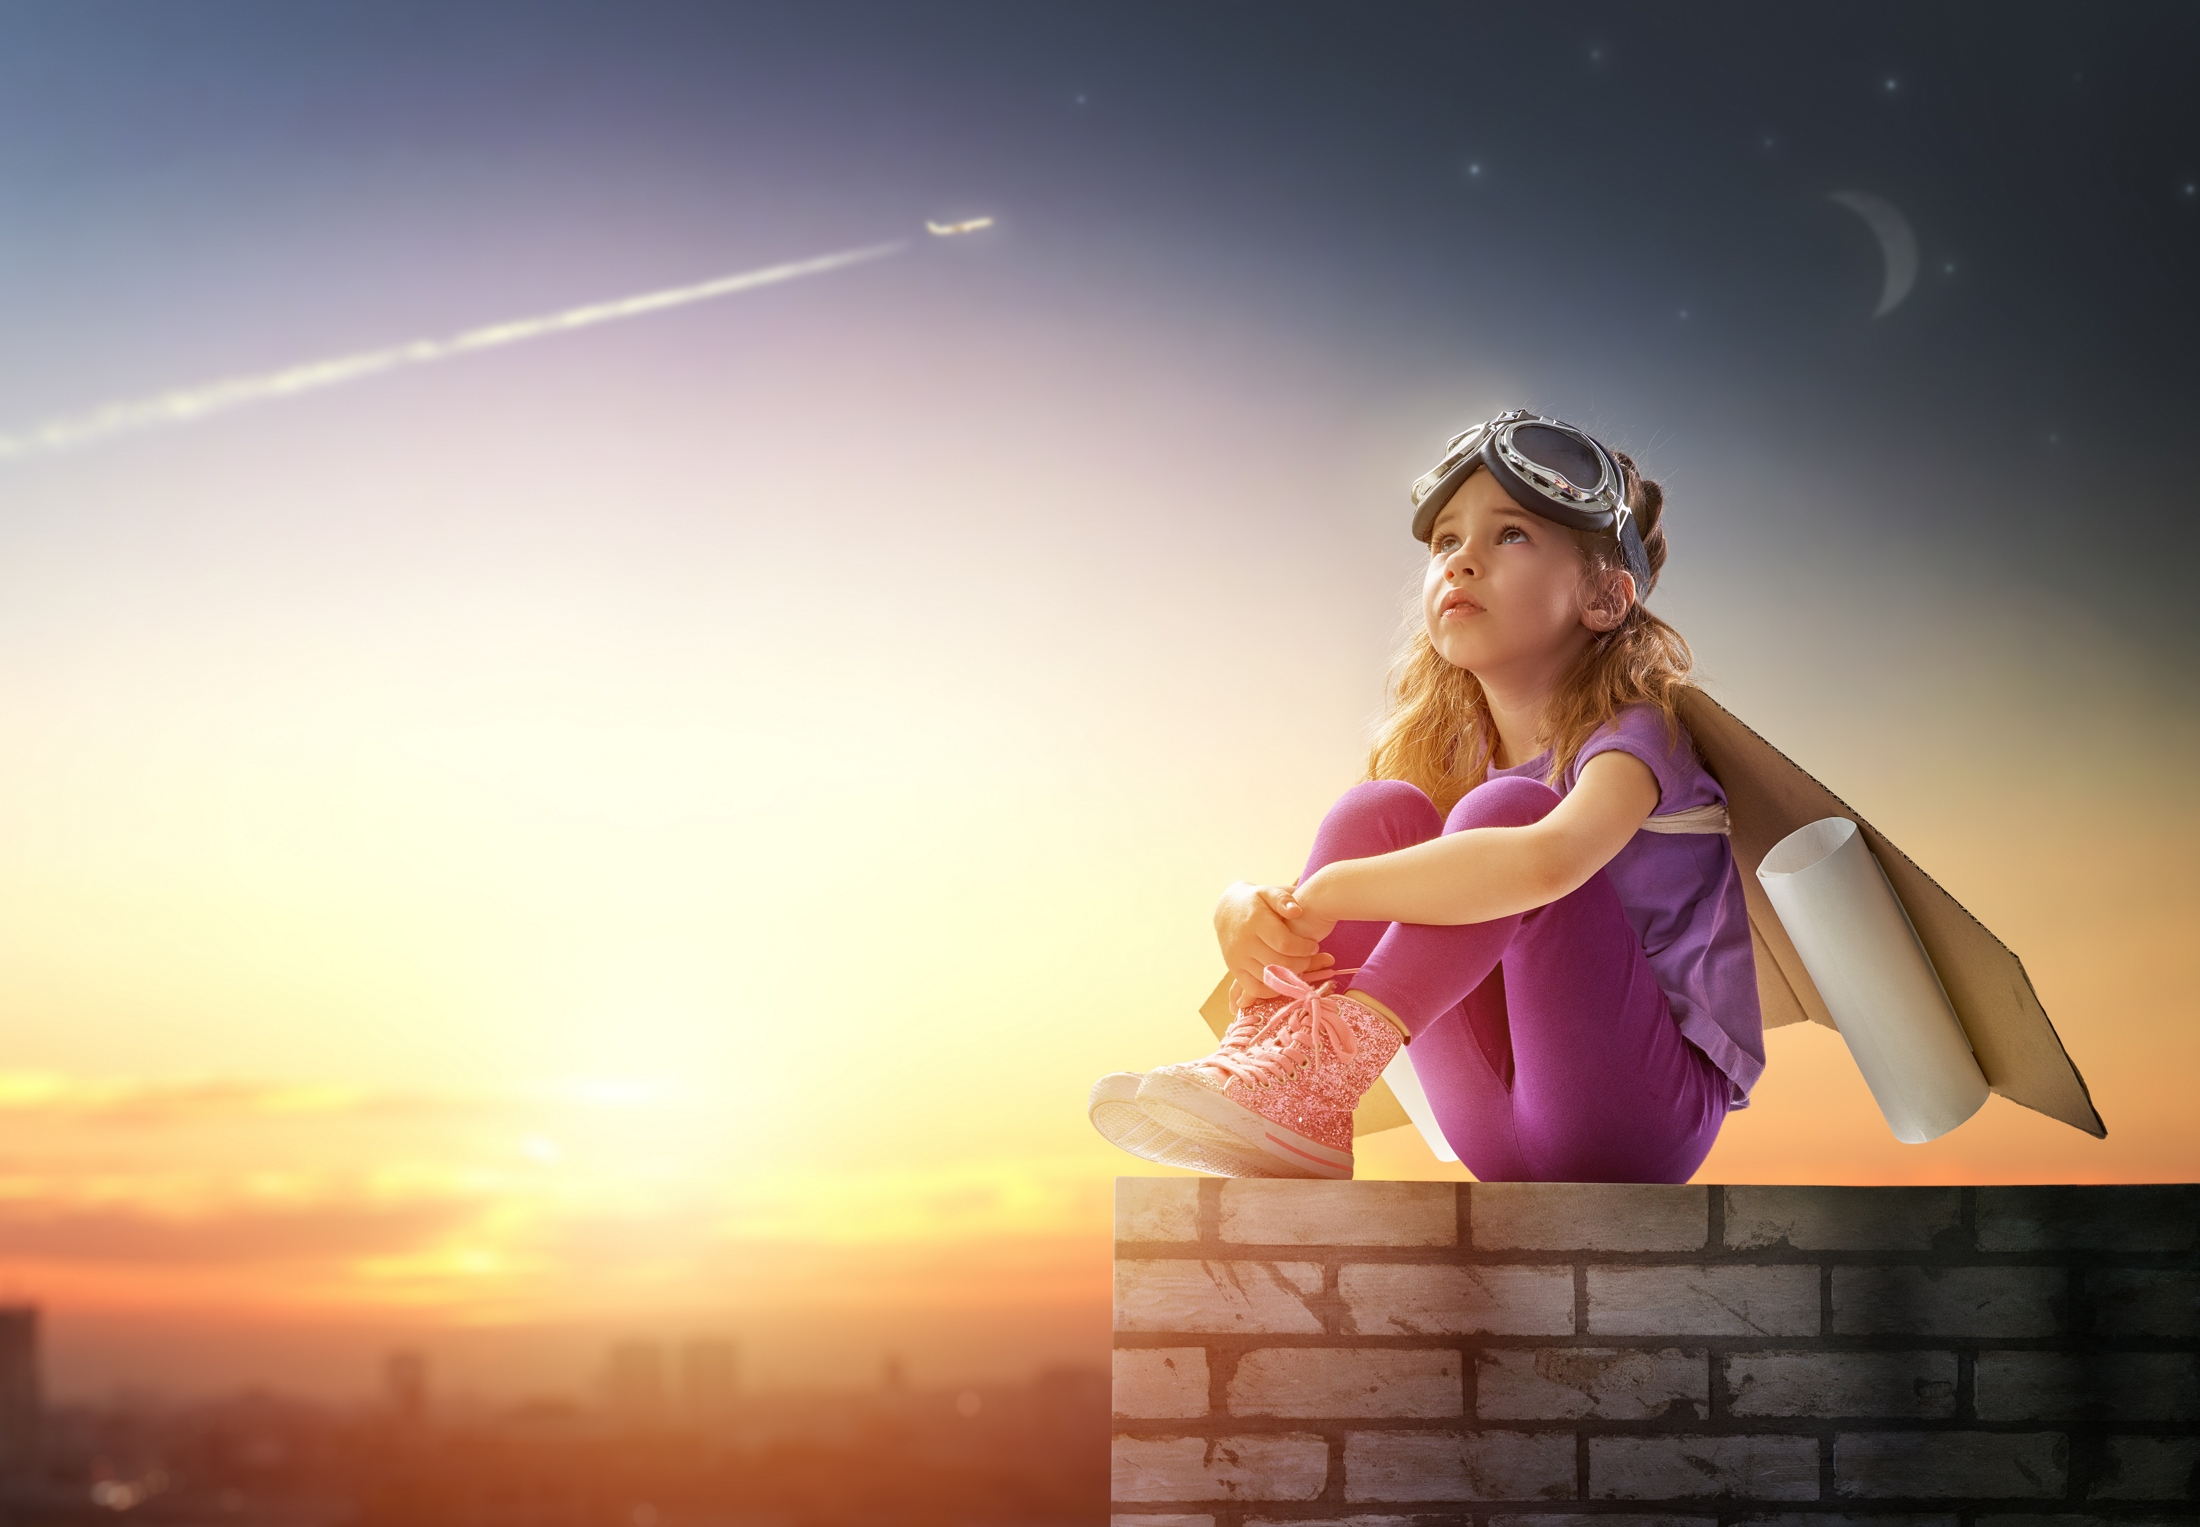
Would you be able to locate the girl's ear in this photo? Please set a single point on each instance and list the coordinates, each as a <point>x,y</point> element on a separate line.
<point>1606,599</point>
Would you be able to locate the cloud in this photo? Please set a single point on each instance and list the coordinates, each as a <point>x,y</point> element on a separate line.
<point>47,1232</point>
<point>123,1100</point>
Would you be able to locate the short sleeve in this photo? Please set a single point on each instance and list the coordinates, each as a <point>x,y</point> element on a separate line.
<point>1641,732</point>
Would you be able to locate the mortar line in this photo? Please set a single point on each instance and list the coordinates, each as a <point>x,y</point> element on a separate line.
<point>1333,1481</point>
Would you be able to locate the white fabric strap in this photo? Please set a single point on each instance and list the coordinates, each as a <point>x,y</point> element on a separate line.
<point>1709,819</point>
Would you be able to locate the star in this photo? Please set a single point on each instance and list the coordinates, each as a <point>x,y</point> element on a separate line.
<point>1892,83</point>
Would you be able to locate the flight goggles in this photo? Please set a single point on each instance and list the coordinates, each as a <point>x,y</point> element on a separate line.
<point>1547,467</point>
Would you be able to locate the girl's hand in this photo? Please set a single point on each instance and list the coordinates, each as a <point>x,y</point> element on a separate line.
<point>1262,925</point>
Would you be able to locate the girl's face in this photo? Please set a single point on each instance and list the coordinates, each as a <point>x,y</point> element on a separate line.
<point>1507,592</point>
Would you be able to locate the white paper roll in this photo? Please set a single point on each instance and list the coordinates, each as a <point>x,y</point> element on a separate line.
<point>1865,959</point>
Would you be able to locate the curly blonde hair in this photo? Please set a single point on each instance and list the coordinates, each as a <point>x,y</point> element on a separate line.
<point>1438,735</point>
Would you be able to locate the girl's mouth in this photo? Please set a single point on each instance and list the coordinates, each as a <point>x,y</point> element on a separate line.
<point>1457,604</point>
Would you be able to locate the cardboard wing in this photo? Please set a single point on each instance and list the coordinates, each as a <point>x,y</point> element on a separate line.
<point>1767,798</point>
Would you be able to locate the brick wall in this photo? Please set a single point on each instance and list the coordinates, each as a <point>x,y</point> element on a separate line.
<point>1555,1355</point>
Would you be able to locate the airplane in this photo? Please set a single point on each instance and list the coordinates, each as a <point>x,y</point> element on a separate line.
<point>944,229</point>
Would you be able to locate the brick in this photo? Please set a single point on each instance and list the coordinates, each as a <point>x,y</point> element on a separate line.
<point>1407,1299</point>
<point>1288,1466</point>
<point>1981,1465</point>
<point>1164,1519</point>
<point>1904,1385</point>
<point>1156,1209</point>
<point>2149,1468</point>
<point>1946,1301</point>
<point>1840,1219</point>
<point>1567,1383</point>
<point>2115,1386</point>
<point>2129,1302</point>
<point>1184,1295</point>
<point>1703,1301</point>
<point>1690,1468</point>
<point>1589,1216</point>
<point>1481,1465</point>
<point>2129,1217</point>
<point>1347,1381</point>
<point>1156,1382</point>
<point>1258,1213</point>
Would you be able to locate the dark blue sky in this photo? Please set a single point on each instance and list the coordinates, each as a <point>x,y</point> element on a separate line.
<point>1551,187</point>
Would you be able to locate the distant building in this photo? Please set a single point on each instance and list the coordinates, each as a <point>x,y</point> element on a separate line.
<point>19,1397</point>
<point>709,1381</point>
<point>634,1383</point>
<point>405,1384</point>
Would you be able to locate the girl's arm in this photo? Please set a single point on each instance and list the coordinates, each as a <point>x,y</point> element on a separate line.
<point>1489,872</point>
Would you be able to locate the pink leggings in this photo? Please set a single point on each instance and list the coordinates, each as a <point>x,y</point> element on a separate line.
<point>1542,1039</point>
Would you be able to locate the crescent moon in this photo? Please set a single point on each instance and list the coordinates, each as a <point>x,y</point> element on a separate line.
<point>1897,244</point>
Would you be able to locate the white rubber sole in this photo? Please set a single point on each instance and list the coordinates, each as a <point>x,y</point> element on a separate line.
<point>1124,1122</point>
<point>1114,1112</point>
<point>1229,1139</point>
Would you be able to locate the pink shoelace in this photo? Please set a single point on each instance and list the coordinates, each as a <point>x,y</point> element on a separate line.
<point>1309,1016</point>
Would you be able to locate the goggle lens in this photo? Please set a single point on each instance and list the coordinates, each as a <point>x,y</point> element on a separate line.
<point>1555,451</point>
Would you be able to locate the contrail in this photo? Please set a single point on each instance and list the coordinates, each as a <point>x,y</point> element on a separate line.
<point>197,402</point>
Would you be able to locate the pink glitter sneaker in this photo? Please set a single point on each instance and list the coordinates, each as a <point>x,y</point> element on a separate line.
<point>1280,1106</point>
<point>1115,1112</point>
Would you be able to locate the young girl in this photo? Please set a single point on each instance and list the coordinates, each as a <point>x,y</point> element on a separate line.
<point>1531,891</point>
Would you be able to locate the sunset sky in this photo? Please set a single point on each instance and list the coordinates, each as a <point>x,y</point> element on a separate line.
<point>653,830</point>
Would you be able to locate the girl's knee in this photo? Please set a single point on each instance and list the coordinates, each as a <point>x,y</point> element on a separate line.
<point>1506,802</point>
<point>1391,804</point>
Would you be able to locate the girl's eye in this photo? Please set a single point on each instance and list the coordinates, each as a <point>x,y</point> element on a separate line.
<point>1509,532</point>
<point>1444,543</point>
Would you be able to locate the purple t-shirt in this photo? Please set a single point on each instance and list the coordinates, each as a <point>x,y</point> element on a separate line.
<point>1683,893</point>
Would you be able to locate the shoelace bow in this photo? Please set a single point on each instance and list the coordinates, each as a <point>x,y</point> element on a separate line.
<point>1310,1015</point>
